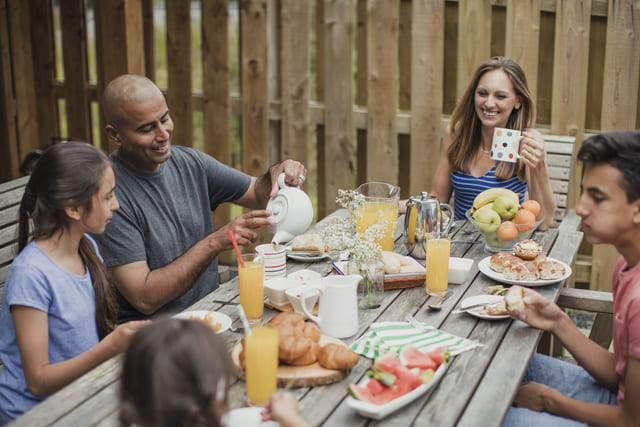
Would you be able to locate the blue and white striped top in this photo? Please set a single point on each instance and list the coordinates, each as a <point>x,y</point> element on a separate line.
<point>466,187</point>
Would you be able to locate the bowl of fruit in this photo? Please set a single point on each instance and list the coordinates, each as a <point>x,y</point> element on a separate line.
<point>502,220</point>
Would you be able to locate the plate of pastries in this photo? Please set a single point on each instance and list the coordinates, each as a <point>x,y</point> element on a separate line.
<point>527,266</point>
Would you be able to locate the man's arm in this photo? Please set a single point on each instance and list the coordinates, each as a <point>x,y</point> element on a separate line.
<point>539,397</point>
<point>266,186</point>
<point>148,290</point>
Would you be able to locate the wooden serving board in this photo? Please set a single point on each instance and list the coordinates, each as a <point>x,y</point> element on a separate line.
<point>391,282</point>
<point>297,376</point>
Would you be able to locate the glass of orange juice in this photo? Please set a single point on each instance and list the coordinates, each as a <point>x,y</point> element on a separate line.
<point>437,264</point>
<point>251,280</point>
<point>381,203</point>
<point>261,357</point>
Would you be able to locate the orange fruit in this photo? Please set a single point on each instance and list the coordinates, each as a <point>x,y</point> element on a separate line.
<point>507,231</point>
<point>533,206</point>
<point>524,220</point>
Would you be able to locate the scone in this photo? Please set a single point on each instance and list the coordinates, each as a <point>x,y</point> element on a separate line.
<point>498,309</point>
<point>551,270</point>
<point>523,270</point>
<point>514,300</point>
<point>501,261</point>
<point>527,249</point>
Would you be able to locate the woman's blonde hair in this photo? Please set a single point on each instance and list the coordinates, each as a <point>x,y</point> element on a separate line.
<point>466,126</point>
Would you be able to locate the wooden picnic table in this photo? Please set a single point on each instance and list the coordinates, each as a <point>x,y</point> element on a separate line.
<point>477,388</point>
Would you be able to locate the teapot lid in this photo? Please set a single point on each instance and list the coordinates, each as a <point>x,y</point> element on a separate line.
<point>422,197</point>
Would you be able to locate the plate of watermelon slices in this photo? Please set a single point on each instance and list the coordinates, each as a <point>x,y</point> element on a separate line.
<point>393,382</point>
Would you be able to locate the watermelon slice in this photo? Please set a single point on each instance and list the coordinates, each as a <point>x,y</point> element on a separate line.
<point>440,355</point>
<point>406,380</point>
<point>384,377</point>
<point>360,393</point>
<point>387,363</point>
<point>375,386</point>
<point>411,357</point>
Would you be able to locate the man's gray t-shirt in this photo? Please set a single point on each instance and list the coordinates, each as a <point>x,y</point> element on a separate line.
<point>163,214</point>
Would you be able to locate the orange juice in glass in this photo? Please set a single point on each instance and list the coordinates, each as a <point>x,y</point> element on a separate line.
<point>261,357</point>
<point>251,280</point>
<point>437,264</point>
<point>381,203</point>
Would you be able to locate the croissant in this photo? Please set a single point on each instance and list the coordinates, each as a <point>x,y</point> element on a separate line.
<point>336,356</point>
<point>312,331</point>
<point>309,357</point>
<point>292,319</point>
<point>291,347</point>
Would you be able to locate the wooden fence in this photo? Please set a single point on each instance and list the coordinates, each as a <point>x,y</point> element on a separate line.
<point>359,90</point>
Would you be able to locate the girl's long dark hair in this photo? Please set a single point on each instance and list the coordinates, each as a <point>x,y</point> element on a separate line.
<point>175,372</point>
<point>69,174</point>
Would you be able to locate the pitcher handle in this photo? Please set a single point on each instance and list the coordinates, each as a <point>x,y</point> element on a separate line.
<point>304,305</point>
<point>447,226</point>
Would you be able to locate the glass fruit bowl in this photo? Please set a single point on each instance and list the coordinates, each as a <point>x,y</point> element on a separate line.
<point>492,237</point>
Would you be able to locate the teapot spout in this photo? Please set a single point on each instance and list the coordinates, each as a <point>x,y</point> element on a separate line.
<point>282,237</point>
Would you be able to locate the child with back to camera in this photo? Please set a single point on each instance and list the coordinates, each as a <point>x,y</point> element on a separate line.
<point>177,372</point>
<point>497,96</point>
<point>58,315</point>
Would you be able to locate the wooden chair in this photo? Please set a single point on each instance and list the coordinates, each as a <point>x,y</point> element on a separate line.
<point>560,164</point>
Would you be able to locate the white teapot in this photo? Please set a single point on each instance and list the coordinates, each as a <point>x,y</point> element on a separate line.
<point>292,211</point>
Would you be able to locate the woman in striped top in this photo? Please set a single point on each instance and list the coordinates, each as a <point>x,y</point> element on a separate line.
<point>497,96</point>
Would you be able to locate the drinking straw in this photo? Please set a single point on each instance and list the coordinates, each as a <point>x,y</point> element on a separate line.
<point>235,246</point>
<point>437,232</point>
<point>245,322</point>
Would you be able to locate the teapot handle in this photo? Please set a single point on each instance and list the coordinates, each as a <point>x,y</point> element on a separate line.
<point>447,226</point>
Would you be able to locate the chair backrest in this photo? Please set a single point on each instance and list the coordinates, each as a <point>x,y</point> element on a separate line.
<point>560,164</point>
<point>10,196</point>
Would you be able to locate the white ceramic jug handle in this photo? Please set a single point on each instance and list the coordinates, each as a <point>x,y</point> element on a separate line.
<point>304,305</point>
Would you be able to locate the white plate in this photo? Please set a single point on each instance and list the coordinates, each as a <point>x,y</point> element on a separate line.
<point>248,417</point>
<point>377,412</point>
<point>478,311</point>
<point>221,318</point>
<point>484,267</point>
<point>307,258</point>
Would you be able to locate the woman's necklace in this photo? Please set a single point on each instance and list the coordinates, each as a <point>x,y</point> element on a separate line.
<point>485,151</point>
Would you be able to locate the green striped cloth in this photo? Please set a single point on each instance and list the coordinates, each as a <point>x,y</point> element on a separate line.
<point>388,337</point>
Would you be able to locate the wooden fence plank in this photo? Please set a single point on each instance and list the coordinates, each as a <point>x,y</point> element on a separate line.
<point>405,30</point>
<point>149,38</point>
<point>255,143</point>
<point>622,70</point>
<point>338,89</point>
<point>179,70</point>
<point>320,53</point>
<point>9,157</point>
<point>216,75</point>
<point>76,74</point>
<point>295,72</point>
<point>43,60</point>
<point>361,88</point>
<point>382,47</point>
<point>522,38</point>
<point>23,78</point>
<point>427,75</point>
<point>474,39</point>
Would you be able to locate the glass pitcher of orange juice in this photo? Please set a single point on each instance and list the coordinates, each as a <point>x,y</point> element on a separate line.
<point>381,203</point>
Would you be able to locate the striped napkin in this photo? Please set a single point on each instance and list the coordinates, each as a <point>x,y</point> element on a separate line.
<point>388,337</point>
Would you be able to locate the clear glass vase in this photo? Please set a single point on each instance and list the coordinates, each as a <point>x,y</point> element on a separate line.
<point>371,287</point>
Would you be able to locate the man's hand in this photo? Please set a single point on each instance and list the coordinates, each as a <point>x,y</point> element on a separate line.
<point>538,311</point>
<point>243,227</point>
<point>295,175</point>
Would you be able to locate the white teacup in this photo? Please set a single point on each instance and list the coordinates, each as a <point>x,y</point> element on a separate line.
<point>505,145</point>
<point>275,260</point>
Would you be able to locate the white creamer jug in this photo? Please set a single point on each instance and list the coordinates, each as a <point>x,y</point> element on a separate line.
<point>338,305</point>
<point>292,210</point>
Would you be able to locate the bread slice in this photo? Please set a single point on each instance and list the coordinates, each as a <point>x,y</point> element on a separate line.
<point>308,243</point>
<point>514,300</point>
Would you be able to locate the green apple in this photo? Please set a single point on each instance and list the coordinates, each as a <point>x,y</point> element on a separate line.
<point>506,207</point>
<point>487,219</point>
<point>494,241</point>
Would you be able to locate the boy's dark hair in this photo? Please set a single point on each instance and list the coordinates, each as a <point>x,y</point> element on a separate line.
<point>171,374</point>
<point>69,174</point>
<point>620,149</point>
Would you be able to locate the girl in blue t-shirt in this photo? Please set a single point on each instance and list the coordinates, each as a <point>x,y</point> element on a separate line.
<point>58,314</point>
<point>497,96</point>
